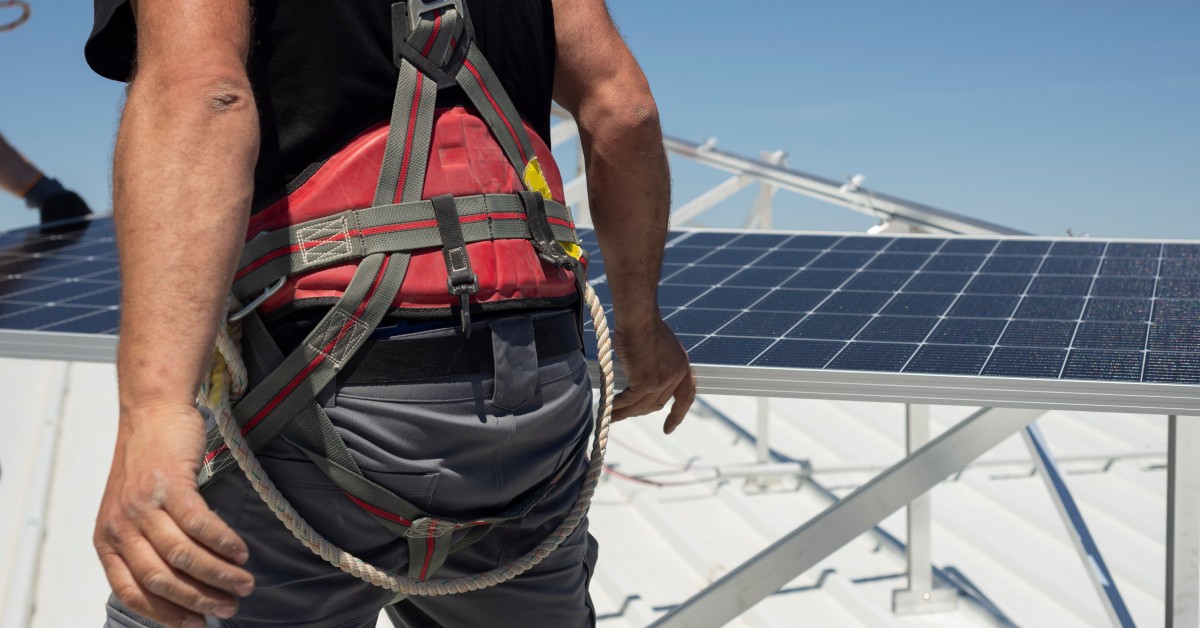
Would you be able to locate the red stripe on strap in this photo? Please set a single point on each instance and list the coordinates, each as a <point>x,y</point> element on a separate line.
<point>210,456</point>
<point>479,79</point>
<point>408,139</point>
<point>428,548</point>
<point>291,386</point>
<point>379,512</point>
<point>437,26</point>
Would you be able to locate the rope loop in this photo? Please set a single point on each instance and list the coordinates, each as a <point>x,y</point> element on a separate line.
<point>21,19</point>
<point>227,382</point>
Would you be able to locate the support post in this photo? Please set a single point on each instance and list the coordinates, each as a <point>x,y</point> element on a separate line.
<point>844,521</point>
<point>1183,522</point>
<point>920,597</point>
<point>1081,537</point>
<point>762,451</point>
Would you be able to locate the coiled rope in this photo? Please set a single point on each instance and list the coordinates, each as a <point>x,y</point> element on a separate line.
<point>21,19</point>
<point>226,384</point>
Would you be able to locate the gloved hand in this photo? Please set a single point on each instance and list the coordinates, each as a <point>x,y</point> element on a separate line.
<point>65,205</point>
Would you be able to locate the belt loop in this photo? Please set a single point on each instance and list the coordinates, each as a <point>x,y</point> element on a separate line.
<point>514,353</point>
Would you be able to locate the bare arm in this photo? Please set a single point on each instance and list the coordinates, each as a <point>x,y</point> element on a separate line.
<point>182,182</point>
<point>17,175</point>
<point>629,188</point>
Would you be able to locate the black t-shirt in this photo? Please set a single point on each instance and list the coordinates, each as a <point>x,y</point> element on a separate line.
<point>322,71</point>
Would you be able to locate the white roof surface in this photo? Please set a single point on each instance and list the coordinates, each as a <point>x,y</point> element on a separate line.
<point>995,529</point>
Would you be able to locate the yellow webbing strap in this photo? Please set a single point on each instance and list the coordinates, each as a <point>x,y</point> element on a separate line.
<point>535,181</point>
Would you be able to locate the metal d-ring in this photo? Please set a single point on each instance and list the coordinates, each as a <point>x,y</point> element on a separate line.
<point>258,300</point>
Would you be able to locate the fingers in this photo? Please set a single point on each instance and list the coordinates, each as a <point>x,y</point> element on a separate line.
<point>199,522</point>
<point>141,601</point>
<point>685,394</point>
<point>632,402</point>
<point>183,553</point>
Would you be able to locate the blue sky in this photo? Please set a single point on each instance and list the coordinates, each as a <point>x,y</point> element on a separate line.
<point>1041,116</point>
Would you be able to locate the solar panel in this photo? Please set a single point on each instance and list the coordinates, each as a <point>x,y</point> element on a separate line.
<point>1035,308</point>
<point>763,311</point>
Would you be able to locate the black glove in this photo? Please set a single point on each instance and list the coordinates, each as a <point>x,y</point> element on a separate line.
<point>65,205</point>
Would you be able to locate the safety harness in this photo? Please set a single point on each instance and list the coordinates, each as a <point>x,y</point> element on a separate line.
<point>374,260</point>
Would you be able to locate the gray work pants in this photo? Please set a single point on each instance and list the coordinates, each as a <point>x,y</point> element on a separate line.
<point>448,447</point>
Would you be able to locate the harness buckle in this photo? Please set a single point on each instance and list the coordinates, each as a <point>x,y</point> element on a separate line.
<point>464,290</point>
<point>414,9</point>
<point>258,300</point>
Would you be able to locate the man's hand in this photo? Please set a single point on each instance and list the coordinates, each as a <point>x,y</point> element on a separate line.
<point>166,554</point>
<point>657,369</point>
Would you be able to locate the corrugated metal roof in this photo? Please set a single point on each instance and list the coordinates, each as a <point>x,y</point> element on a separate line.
<point>994,526</point>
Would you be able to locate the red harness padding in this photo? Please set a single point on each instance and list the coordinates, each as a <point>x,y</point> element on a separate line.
<point>464,160</point>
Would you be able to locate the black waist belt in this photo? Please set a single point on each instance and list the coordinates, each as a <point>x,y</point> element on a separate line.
<point>448,353</point>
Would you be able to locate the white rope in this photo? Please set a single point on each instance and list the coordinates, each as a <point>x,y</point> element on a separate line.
<point>227,383</point>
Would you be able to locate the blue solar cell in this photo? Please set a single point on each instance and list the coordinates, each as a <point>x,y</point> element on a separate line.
<point>1070,266</point>
<point>677,296</point>
<point>873,356</point>
<point>813,242</point>
<point>760,277</point>
<point>1113,336</point>
<point>723,298</point>
<point>948,360</point>
<point>1132,249</point>
<point>916,245</point>
<point>1117,310</point>
<point>102,322</point>
<point>1189,251</point>
<point>971,306</point>
<point>13,287</point>
<point>1134,287</point>
<point>684,254</point>
<point>761,324</point>
<point>897,329</point>
<point>12,307</point>
<point>968,331</point>
<point>843,302</point>
<point>785,300</point>
<point>1179,268</point>
<point>898,261</point>
<point>46,316</point>
<point>1129,267</point>
<point>689,340</point>
<point>604,293</point>
<point>998,284</point>
<point>1179,288</point>
<point>1012,264</point>
<point>863,243</point>
<point>829,326</point>
<point>728,350</point>
<point>1025,362</point>
<point>1059,308</point>
<point>66,291</point>
<point>667,271</point>
<point>853,260</point>
<point>595,268</point>
<point>1038,334</point>
<point>799,354</point>
<point>877,280</point>
<point>1176,311</point>
<point>1073,248</point>
<point>1061,286</point>
<point>1172,368</point>
<point>760,240</point>
<point>1175,337</point>
<point>818,279</point>
<point>702,275</point>
<point>709,238</point>
<point>981,247</point>
<point>731,257</point>
<point>954,263</point>
<point>919,304</point>
<point>696,321</point>
<point>1104,365</point>
<point>1022,247</point>
<point>937,282</point>
<point>790,260</point>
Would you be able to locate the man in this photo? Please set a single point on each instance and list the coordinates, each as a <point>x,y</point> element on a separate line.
<point>227,104</point>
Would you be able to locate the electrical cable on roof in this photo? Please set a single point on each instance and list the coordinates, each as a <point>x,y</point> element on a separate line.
<point>21,19</point>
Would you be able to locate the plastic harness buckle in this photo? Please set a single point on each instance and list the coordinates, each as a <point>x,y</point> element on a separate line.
<point>464,290</point>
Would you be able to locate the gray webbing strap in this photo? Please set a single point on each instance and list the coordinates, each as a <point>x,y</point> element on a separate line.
<point>460,279</point>
<point>296,382</point>
<point>353,234</point>
<point>541,233</point>
<point>408,136</point>
<point>487,94</point>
